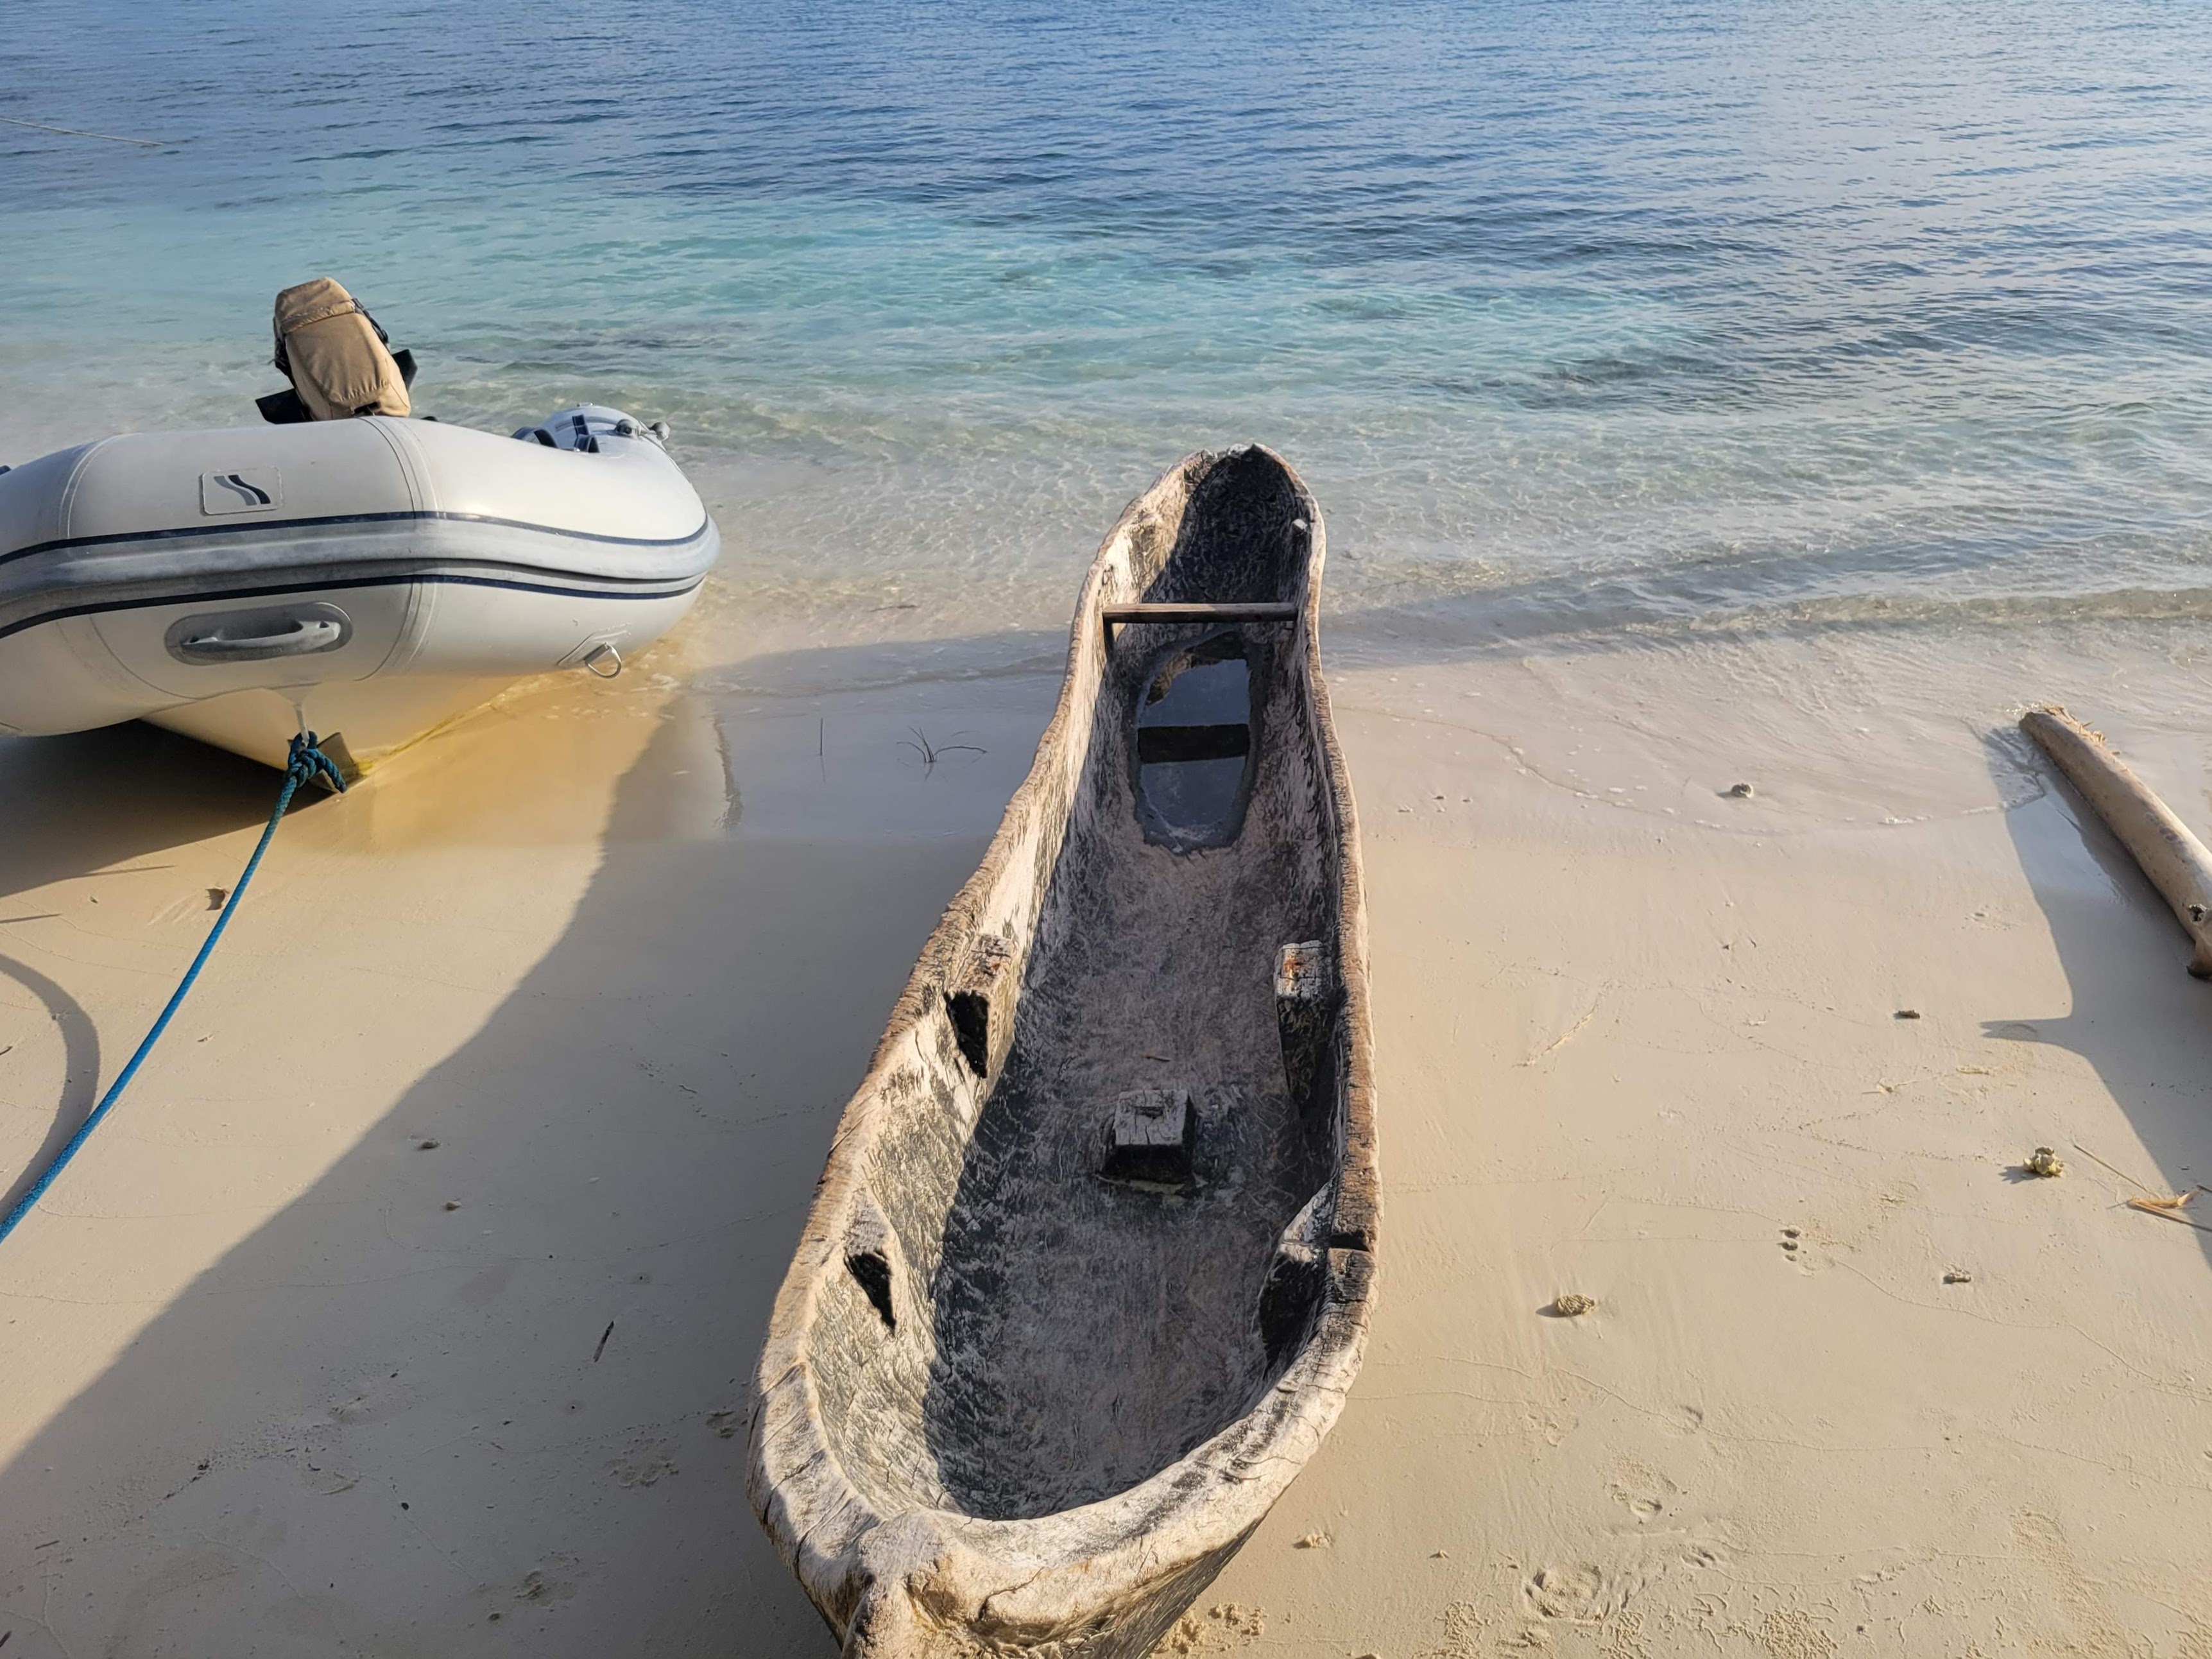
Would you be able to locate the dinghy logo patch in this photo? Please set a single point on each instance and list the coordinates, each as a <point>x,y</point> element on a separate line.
<point>250,489</point>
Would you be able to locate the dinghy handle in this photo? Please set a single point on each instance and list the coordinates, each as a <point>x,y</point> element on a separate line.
<point>265,634</point>
<point>601,652</point>
<point>299,639</point>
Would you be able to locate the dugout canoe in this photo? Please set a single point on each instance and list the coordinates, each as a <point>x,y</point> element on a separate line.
<point>1089,1271</point>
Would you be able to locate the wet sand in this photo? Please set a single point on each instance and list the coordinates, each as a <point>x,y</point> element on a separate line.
<point>283,1379</point>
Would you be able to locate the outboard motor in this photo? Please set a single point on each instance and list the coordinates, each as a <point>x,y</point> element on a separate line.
<point>336,355</point>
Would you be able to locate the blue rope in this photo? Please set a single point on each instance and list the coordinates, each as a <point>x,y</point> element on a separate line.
<point>305,763</point>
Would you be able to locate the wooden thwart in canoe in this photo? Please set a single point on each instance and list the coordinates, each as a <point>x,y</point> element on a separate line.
<point>1089,1271</point>
<point>1113,614</point>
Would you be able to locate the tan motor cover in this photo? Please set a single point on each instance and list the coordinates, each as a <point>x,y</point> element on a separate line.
<point>339,367</point>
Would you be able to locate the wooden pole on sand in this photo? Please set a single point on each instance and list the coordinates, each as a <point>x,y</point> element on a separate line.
<point>2161,845</point>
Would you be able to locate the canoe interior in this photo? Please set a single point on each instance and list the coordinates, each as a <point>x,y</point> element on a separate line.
<point>1033,1317</point>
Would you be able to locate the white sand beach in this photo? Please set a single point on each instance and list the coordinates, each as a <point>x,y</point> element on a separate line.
<point>1727,420</point>
<point>408,1304</point>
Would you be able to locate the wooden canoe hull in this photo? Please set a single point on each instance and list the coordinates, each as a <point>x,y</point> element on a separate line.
<point>1089,1271</point>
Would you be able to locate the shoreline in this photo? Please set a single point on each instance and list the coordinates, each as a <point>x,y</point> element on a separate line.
<point>622,951</point>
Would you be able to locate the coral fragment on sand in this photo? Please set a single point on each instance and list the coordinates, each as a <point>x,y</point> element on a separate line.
<point>2046,1162</point>
<point>1572,1304</point>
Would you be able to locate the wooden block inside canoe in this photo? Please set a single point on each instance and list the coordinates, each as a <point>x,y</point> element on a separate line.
<point>1306,1014</point>
<point>1154,1131</point>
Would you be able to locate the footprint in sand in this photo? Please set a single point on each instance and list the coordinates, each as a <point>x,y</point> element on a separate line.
<point>1642,1492</point>
<point>541,1586</point>
<point>326,1482</point>
<point>1220,1629</point>
<point>643,1465</point>
<point>1575,1592</point>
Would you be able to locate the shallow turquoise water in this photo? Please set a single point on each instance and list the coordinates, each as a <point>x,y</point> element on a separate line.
<point>1577,316</point>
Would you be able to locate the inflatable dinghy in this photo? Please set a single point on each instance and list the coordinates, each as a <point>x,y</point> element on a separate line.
<point>372,577</point>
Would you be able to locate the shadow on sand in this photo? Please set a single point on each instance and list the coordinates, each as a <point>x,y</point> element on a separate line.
<point>2137,1017</point>
<point>96,801</point>
<point>489,1396</point>
<point>103,799</point>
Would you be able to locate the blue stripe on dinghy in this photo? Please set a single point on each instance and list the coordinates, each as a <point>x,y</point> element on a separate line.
<point>267,525</point>
<point>200,597</point>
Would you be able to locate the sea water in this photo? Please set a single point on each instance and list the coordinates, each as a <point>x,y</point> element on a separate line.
<point>1578,317</point>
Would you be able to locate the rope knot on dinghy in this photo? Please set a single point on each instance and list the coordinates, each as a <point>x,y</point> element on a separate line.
<point>307,763</point>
